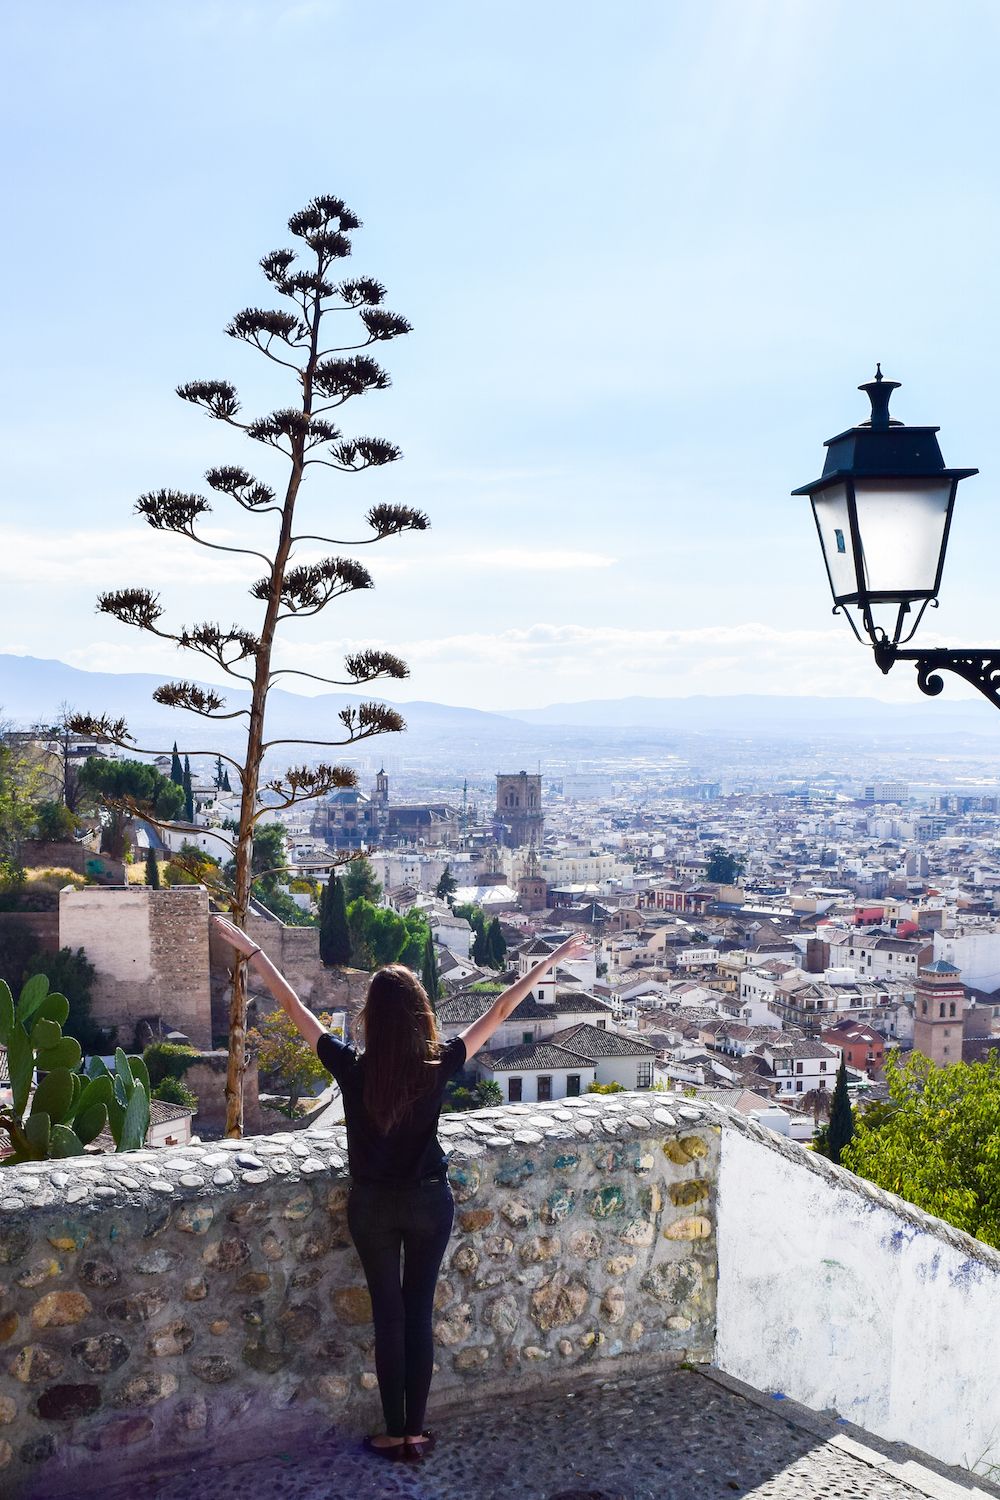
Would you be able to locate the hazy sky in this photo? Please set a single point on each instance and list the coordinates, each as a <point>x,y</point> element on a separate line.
<point>648,249</point>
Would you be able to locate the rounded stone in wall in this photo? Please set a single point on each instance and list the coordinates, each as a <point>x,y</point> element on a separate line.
<point>353,1305</point>
<point>675,1281</point>
<point>60,1309</point>
<point>465,1179</point>
<point>558,1300</point>
<point>34,1364</point>
<point>102,1353</point>
<point>455,1326</point>
<point>64,1403</point>
<point>503,1315</point>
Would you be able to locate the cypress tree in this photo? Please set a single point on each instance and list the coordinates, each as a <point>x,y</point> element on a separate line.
<point>225,781</point>
<point>496,947</point>
<point>841,1128</point>
<point>334,933</point>
<point>176,769</point>
<point>429,977</point>
<point>188,792</point>
<point>152,871</point>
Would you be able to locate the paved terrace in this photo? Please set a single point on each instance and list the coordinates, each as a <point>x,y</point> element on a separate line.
<point>682,1435</point>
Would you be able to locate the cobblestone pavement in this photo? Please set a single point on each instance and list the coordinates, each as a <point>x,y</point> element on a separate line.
<point>675,1436</point>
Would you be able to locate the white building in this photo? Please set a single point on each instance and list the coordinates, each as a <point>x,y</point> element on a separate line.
<point>974,950</point>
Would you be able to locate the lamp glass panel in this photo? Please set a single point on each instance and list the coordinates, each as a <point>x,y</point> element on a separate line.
<point>901,523</point>
<point>830,508</point>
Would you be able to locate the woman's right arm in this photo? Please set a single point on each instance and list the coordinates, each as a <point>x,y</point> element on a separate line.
<point>479,1033</point>
<point>271,977</point>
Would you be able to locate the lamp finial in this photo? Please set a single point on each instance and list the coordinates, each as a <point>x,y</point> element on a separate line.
<point>879,392</point>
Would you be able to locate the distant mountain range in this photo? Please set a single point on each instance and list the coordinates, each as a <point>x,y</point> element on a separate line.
<point>31,690</point>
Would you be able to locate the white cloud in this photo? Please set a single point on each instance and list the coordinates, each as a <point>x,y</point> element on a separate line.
<point>110,559</point>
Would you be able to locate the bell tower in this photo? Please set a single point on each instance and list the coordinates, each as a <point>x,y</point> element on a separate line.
<point>518,819</point>
<point>939,1013</point>
<point>381,794</point>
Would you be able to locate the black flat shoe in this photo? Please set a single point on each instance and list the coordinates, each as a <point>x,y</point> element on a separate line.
<point>426,1445</point>
<point>394,1452</point>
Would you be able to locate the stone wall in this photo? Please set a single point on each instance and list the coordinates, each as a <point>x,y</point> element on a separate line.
<point>69,854</point>
<point>44,925</point>
<point>169,1304</point>
<point>150,950</point>
<point>179,1302</point>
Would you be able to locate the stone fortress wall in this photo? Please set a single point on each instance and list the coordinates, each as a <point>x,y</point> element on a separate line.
<point>154,957</point>
<point>150,950</point>
<point>166,1304</point>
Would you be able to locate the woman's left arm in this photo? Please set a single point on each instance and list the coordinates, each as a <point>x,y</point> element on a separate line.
<point>269,976</point>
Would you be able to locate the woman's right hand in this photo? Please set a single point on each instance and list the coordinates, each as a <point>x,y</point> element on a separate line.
<point>233,935</point>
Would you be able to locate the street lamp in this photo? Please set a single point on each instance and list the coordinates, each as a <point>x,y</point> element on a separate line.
<point>883,508</point>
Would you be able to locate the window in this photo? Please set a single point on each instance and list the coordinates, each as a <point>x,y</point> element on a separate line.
<point>798,1086</point>
<point>644,1075</point>
<point>527,1036</point>
<point>798,1067</point>
<point>572,1085</point>
<point>513,1090</point>
<point>602,1025</point>
<point>544,1089</point>
<point>941,1011</point>
<point>951,1008</point>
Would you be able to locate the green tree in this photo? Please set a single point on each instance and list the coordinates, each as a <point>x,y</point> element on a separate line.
<point>380,936</point>
<point>127,787</point>
<point>334,933</point>
<point>54,822</point>
<point>285,1057</point>
<point>723,868</point>
<point>476,918</point>
<point>152,870</point>
<point>321,376</point>
<point>172,1091</point>
<point>20,783</point>
<point>176,769</point>
<point>72,974</point>
<point>188,792</point>
<point>429,977</point>
<point>168,1060</point>
<point>360,883</point>
<point>496,945</point>
<point>841,1128</point>
<point>938,1142</point>
<point>220,774</point>
<point>446,886</point>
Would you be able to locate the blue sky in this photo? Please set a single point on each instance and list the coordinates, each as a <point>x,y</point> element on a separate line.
<point>648,249</point>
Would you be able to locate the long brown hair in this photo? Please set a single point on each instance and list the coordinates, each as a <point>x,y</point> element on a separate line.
<point>400,1036</point>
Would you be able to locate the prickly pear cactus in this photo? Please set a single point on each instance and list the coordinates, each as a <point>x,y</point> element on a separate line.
<point>68,1110</point>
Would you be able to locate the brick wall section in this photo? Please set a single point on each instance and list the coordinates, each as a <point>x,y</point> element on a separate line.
<point>150,949</point>
<point>167,1304</point>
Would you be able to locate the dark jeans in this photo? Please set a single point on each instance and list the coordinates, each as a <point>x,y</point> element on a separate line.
<point>412,1222</point>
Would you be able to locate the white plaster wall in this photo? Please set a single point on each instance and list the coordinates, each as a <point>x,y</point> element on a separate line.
<point>977,954</point>
<point>835,1300</point>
